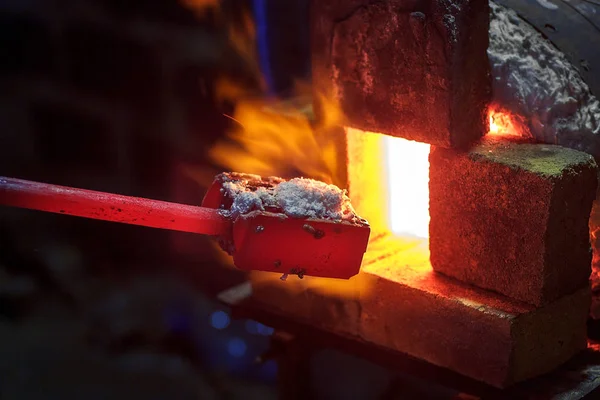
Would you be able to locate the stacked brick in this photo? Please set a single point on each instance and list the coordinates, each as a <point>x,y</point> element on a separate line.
<point>507,217</point>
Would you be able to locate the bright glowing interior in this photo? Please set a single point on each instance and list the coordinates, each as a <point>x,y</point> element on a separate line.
<point>408,186</point>
<point>503,123</point>
<point>387,178</point>
<point>389,182</point>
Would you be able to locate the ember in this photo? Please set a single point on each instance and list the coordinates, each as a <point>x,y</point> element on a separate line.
<point>506,124</point>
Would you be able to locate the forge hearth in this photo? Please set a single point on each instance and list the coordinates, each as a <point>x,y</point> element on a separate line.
<point>399,303</point>
<point>506,294</point>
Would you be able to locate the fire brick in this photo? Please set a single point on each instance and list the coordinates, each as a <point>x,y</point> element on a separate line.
<point>418,70</point>
<point>410,309</point>
<point>513,217</point>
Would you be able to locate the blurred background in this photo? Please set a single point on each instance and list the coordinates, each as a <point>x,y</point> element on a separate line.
<point>117,96</point>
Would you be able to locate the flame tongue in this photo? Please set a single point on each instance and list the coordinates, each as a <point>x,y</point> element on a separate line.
<point>281,138</point>
<point>271,137</point>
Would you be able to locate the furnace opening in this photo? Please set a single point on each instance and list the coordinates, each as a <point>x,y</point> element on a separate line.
<point>408,186</point>
<point>389,183</point>
<point>388,177</point>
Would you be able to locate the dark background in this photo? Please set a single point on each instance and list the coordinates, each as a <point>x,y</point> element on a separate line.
<point>116,95</point>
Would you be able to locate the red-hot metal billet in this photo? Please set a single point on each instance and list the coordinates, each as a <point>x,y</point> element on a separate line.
<point>271,241</point>
<point>112,207</point>
<point>313,247</point>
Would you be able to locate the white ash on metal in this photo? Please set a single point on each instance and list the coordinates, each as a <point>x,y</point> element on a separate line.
<point>298,197</point>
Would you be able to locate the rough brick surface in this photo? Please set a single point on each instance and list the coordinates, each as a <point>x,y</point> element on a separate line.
<point>418,70</point>
<point>412,310</point>
<point>513,217</point>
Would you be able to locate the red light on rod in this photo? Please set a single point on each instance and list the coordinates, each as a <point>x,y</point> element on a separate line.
<point>112,207</point>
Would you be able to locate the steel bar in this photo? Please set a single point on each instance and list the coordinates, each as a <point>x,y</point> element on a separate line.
<point>112,207</point>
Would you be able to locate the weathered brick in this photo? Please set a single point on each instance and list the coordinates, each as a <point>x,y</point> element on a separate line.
<point>25,45</point>
<point>513,217</point>
<point>417,70</point>
<point>408,308</point>
<point>69,139</point>
<point>115,67</point>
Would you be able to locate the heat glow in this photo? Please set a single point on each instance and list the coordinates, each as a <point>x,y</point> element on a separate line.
<point>503,123</point>
<point>389,182</point>
<point>408,183</point>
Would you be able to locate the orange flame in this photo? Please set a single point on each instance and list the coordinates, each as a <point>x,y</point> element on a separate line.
<point>271,136</point>
<point>275,137</point>
<point>503,123</point>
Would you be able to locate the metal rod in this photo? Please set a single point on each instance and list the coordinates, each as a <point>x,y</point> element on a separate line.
<point>112,207</point>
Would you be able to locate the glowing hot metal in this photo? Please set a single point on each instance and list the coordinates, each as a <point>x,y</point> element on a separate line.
<point>259,238</point>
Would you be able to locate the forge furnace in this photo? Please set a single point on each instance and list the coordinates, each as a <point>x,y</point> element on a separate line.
<point>500,292</point>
